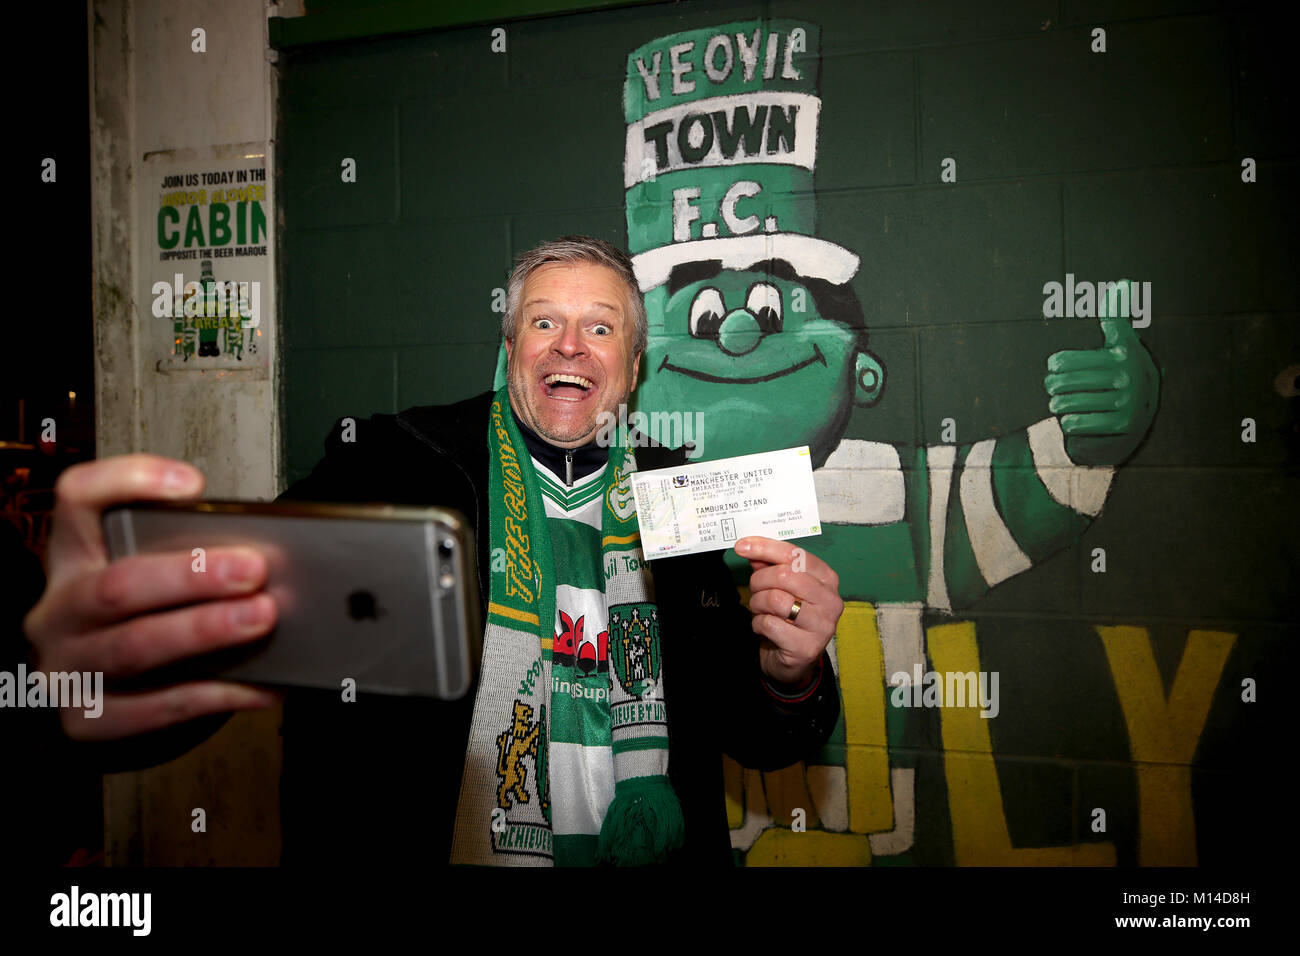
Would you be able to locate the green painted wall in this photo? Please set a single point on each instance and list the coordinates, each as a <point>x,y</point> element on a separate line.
<point>1126,163</point>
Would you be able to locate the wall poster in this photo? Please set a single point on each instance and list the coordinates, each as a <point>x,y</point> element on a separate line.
<point>206,230</point>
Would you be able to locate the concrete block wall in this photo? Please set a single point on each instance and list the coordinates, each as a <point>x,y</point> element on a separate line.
<point>1122,691</point>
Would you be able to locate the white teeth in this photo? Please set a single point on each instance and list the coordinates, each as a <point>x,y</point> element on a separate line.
<point>570,379</point>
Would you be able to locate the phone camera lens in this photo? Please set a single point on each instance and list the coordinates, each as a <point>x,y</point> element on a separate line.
<point>446,547</point>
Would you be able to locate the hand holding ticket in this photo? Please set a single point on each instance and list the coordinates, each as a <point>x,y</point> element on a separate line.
<point>710,505</point>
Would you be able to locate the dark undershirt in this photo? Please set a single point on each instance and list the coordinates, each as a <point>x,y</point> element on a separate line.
<point>586,459</point>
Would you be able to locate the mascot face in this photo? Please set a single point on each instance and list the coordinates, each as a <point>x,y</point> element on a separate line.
<point>754,354</point>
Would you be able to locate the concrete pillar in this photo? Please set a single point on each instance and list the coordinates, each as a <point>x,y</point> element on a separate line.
<point>150,92</point>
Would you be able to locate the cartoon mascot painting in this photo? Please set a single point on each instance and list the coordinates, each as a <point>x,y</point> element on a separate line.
<point>754,322</point>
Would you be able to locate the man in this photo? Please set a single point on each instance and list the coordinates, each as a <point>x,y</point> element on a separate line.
<point>520,771</point>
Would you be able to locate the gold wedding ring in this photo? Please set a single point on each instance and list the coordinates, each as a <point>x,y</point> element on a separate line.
<point>794,610</point>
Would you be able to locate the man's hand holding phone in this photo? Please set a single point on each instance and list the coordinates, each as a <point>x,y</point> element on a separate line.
<point>130,616</point>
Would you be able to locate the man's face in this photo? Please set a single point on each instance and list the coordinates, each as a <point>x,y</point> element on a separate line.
<point>571,355</point>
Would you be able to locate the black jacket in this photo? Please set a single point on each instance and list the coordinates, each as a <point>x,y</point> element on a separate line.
<point>378,780</point>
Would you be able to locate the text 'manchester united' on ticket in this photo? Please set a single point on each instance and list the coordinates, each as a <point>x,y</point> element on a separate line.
<point>708,506</point>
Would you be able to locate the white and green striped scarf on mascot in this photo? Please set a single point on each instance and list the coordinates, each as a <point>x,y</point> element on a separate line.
<point>567,763</point>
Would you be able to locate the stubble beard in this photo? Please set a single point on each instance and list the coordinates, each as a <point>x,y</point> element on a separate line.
<point>519,394</point>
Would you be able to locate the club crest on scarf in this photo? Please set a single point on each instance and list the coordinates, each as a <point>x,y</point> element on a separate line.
<point>513,745</point>
<point>635,651</point>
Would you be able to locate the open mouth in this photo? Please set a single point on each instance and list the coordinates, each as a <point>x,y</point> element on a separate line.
<point>817,356</point>
<point>567,387</point>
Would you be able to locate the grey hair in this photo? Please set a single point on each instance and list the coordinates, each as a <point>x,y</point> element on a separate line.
<point>574,249</point>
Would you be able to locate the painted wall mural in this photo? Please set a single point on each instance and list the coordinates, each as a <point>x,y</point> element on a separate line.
<point>754,323</point>
<point>867,228</point>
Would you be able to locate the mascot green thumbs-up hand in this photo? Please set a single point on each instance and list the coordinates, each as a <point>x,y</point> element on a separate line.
<point>1105,398</point>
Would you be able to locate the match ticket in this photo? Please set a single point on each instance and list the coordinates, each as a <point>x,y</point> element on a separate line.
<point>710,505</point>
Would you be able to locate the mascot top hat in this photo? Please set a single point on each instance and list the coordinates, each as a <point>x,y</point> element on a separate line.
<point>720,151</point>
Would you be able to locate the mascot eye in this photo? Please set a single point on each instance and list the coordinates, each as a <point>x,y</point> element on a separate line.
<point>765,302</point>
<point>707,311</point>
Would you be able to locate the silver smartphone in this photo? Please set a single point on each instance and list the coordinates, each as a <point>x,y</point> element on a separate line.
<point>382,594</point>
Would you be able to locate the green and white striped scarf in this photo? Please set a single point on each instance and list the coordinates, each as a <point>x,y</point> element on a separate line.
<point>568,754</point>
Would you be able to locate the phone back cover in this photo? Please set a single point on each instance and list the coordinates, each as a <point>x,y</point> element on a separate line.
<point>360,599</point>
